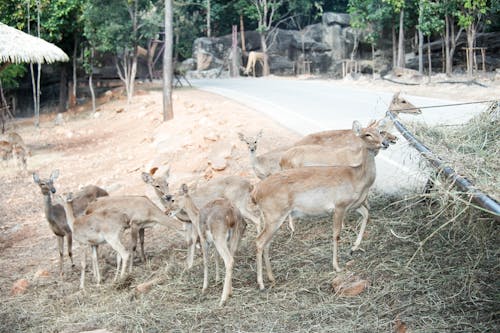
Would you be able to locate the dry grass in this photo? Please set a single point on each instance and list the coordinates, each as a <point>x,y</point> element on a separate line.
<point>472,149</point>
<point>450,285</point>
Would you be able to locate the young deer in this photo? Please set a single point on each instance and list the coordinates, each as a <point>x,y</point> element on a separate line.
<point>218,222</point>
<point>55,214</point>
<point>264,164</point>
<point>141,212</point>
<point>101,227</point>
<point>314,191</point>
<point>9,150</point>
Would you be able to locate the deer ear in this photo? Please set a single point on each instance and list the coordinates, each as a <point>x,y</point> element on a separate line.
<point>356,127</point>
<point>384,124</point>
<point>146,177</point>
<point>54,174</point>
<point>259,135</point>
<point>184,189</point>
<point>166,174</point>
<point>36,178</point>
<point>153,170</point>
<point>241,136</point>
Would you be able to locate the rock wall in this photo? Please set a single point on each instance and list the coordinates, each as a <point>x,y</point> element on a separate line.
<point>321,46</point>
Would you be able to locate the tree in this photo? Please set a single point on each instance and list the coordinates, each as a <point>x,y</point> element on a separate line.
<point>430,21</point>
<point>469,17</point>
<point>168,112</point>
<point>119,32</point>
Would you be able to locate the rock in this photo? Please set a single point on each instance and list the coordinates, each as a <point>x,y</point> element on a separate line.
<point>59,120</point>
<point>336,18</point>
<point>219,155</point>
<point>19,287</point>
<point>41,273</point>
<point>349,286</point>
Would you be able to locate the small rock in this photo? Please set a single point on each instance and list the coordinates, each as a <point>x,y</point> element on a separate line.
<point>59,120</point>
<point>19,287</point>
<point>42,273</point>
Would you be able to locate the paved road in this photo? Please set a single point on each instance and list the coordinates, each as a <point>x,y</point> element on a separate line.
<point>311,106</point>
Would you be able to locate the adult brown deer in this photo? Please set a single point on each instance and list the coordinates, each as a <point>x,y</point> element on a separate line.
<point>218,222</point>
<point>314,191</point>
<point>101,227</point>
<point>253,58</point>
<point>55,214</point>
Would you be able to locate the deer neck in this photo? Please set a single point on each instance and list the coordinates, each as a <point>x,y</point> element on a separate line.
<point>70,215</point>
<point>369,167</point>
<point>192,211</point>
<point>48,208</point>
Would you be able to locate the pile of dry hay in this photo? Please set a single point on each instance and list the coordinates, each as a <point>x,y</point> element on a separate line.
<point>432,262</point>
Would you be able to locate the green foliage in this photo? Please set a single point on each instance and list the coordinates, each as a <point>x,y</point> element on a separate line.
<point>431,19</point>
<point>471,11</point>
<point>11,74</point>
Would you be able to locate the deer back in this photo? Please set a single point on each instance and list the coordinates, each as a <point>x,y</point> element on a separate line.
<point>85,196</point>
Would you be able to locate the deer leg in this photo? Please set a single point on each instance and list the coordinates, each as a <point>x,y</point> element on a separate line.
<point>365,217</point>
<point>118,264</point>
<point>224,252</point>
<point>290,223</point>
<point>338,219</point>
<point>60,245</point>
<point>95,264</point>
<point>84,265</point>
<point>263,243</point>
<point>141,240</point>
<point>125,255</point>
<point>134,232</point>
<point>204,250</point>
<point>69,240</point>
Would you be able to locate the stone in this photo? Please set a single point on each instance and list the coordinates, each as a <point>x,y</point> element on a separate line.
<point>19,287</point>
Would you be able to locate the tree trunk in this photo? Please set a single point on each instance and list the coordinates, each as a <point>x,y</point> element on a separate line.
<point>401,41</point>
<point>394,47</point>
<point>72,100</point>
<point>242,31</point>
<point>209,29</point>
<point>373,61</point>
<point>235,56</point>
<point>63,88</point>
<point>91,86</point>
<point>429,56</point>
<point>168,112</point>
<point>447,46</point>
<point>420,39</point>
<point>470,50</point>
<point>263,44</point>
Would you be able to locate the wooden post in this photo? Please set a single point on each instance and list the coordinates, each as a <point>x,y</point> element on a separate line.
<point>483,58</point>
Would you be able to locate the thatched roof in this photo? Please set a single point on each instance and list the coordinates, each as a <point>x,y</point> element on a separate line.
<point>17,46</point>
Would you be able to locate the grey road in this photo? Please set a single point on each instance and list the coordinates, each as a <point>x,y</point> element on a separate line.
<point>307,106</point>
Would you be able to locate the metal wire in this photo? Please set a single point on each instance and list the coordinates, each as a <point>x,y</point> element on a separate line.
<point>445,105</point>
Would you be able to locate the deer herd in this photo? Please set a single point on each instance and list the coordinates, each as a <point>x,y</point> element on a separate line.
<point>325,172</point>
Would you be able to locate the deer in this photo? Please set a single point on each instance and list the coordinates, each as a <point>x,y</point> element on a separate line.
<point>401,105</point>
<point>265,164</point>
<point>9,150</point>
<point>141,212</point>
<point>234,188</point>
<point>218,222</point>
<point>315,191</point>
<point>253,58</point>
<point>55,214</point>
<point>336,148</point>
<point>105,226</point>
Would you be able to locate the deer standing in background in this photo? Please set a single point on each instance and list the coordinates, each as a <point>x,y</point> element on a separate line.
<point>253,58</point>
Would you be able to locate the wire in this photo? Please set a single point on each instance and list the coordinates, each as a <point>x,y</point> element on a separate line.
<point>445,105</point>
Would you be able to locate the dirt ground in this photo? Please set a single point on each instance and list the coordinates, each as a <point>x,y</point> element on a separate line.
<point>110,149</point>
